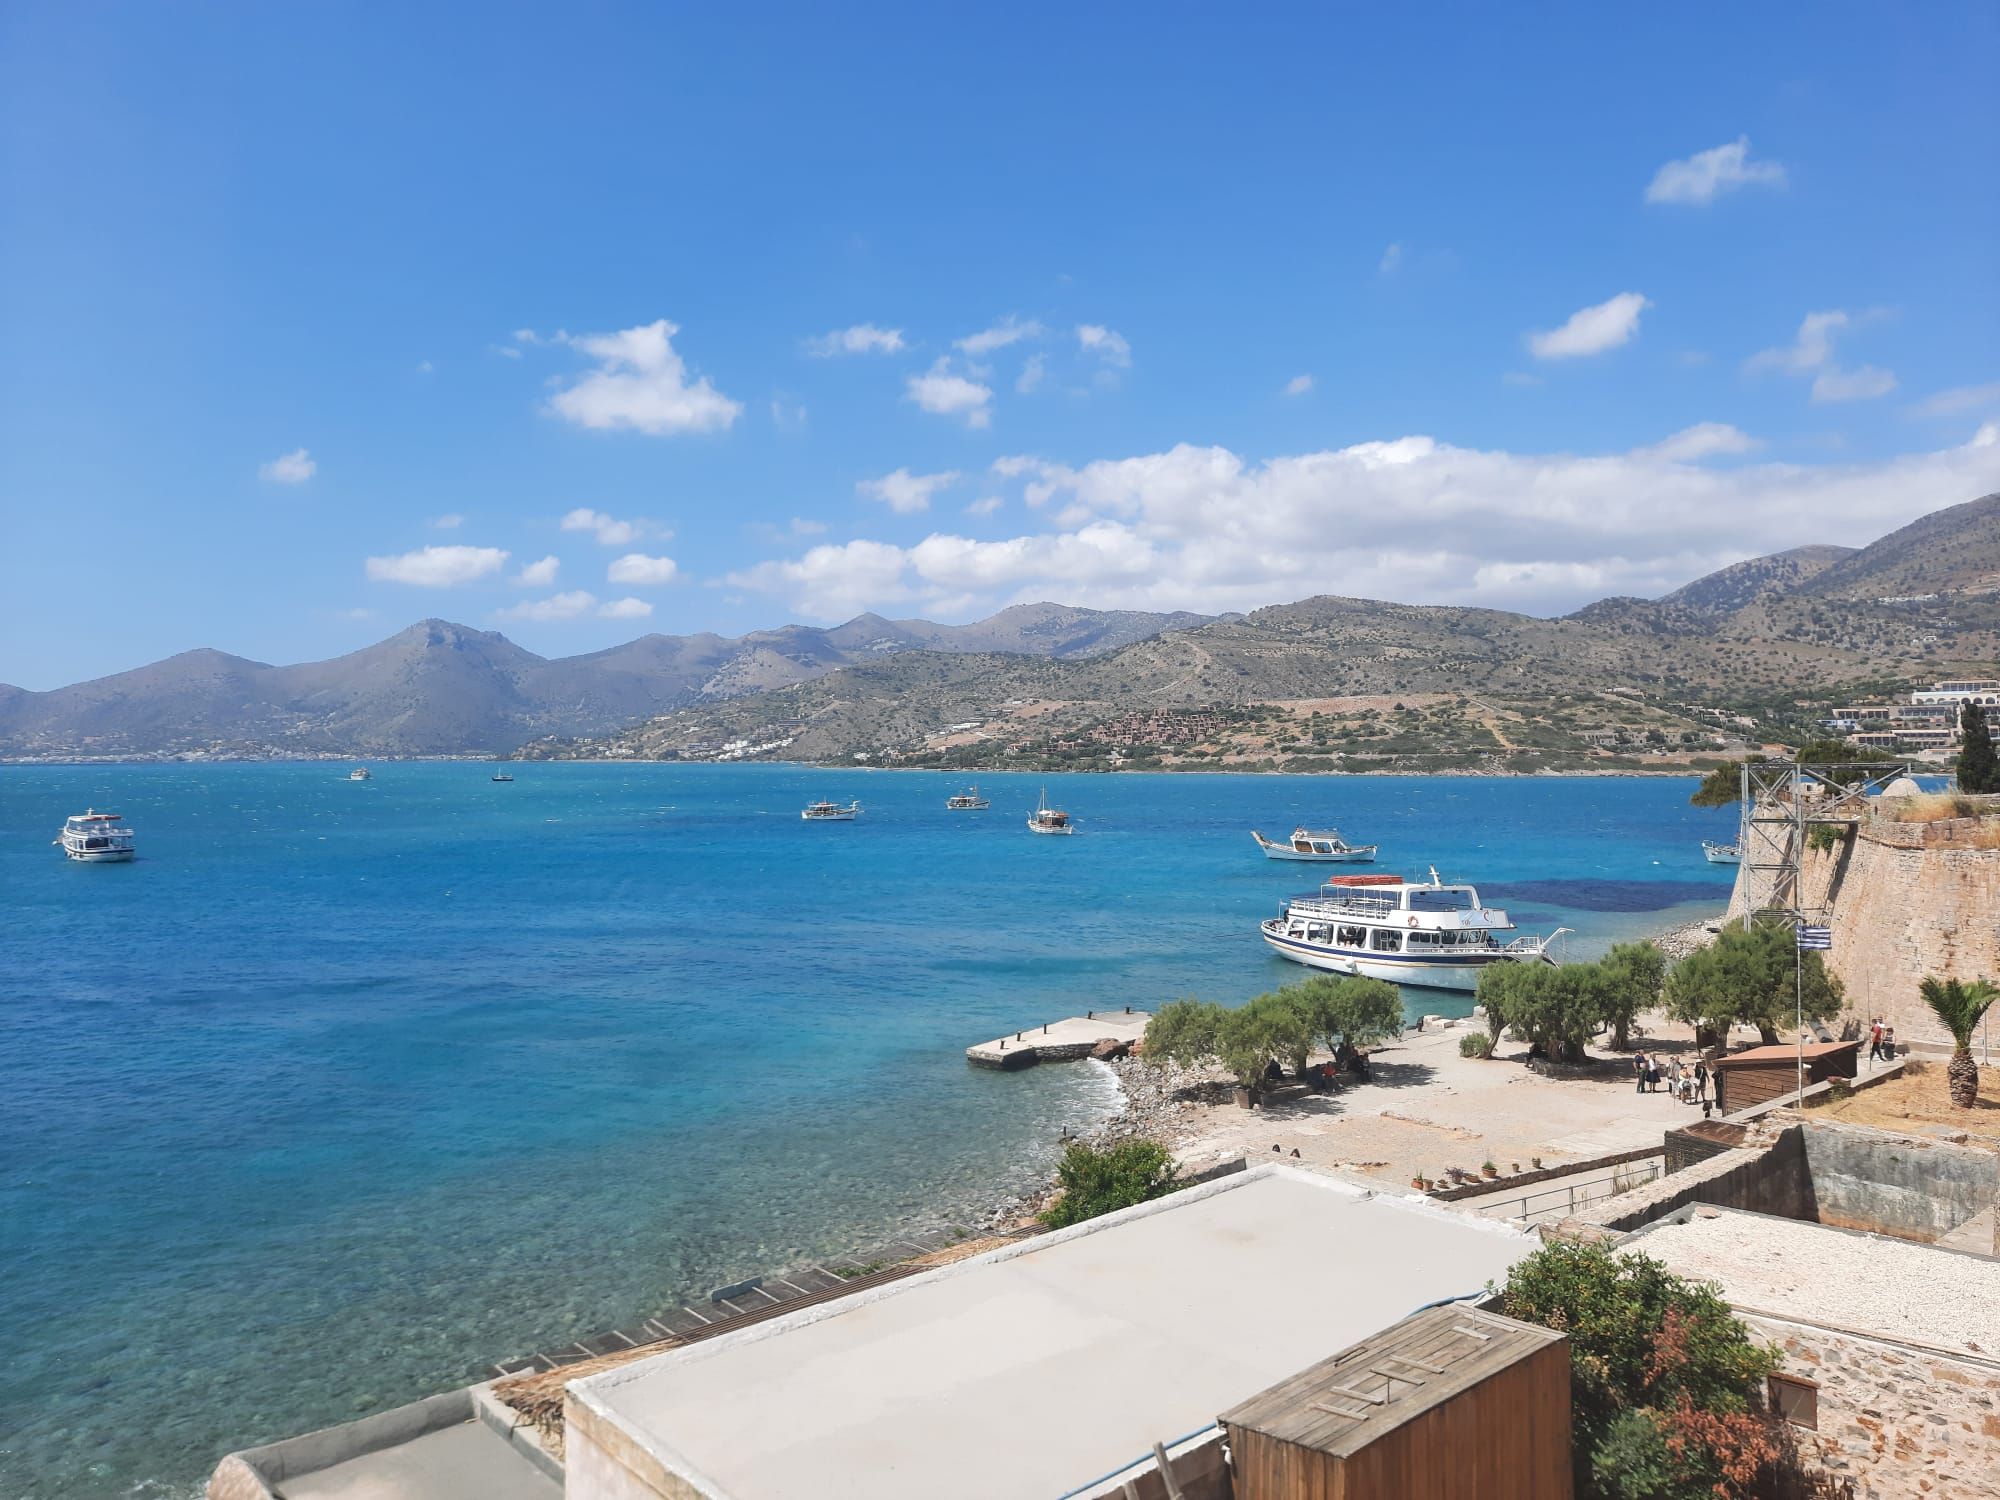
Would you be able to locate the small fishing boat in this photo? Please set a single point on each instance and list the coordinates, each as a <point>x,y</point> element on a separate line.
<point>968,800</point>
<point>1432,935</point>
<point>1316,845</point>
<point>1722,854</point>
<point>360,773</point>
<point>831,812</point>
<point>1046,819</point>
<point>95,838</point>
<point>500,775</point>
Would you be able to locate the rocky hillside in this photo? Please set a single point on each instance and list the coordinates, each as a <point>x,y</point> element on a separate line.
<point>445,689</point>
<point>1755,646</point>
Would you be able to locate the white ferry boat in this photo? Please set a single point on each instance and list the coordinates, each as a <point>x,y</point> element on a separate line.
<point>831,812</point>
<point>360,773</point>
<point>1722,854</point>
<point>1431,934</point>
<point>968,800</point>
<point>1316,845</point>
<point>96,838</point>
<point>1046,819</point>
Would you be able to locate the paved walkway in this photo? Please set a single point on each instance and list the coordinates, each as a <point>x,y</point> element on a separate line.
<point>1427,1108</point>
<point>1073,1037</point>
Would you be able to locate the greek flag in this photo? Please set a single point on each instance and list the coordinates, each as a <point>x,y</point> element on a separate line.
<point>1815,939</point>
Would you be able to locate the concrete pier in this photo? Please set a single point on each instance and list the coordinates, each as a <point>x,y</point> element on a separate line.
<point>1058,1041</point>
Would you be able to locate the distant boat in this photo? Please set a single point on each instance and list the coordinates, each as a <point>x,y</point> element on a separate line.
<point>1321,846</point>
<point>500,775</point>
<point>1046,819</point>
<point>96,838</point>
<point>831,812</point>
<point>968,800</point>
<point>360,773</point>
<point>1722,854</point>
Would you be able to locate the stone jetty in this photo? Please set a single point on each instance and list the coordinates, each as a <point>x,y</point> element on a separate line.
<point>1059,1041</point>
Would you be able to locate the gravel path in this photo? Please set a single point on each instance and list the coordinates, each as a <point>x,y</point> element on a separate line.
<point>1889,1287</point>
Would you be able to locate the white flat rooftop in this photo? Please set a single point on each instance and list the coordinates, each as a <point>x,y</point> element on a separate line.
<point>1034,1369</point>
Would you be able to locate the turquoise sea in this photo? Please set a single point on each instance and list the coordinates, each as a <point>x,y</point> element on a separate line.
<point>343,1090</point>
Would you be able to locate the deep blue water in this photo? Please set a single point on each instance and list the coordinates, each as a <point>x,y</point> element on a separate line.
<point>342,1090</point>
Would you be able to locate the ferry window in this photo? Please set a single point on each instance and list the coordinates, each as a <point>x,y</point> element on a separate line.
<point>1352,937</point>
<point>1424,939</point>
<point>1426,899</point>
<point>1386,940</point>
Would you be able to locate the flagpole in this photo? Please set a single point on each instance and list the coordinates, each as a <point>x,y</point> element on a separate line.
<point>1799,999</point>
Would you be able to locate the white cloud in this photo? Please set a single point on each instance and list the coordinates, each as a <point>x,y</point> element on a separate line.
<point>1298,385</point>
<point>862,338</point>
<point>939,390</point>
<point>904,492</point>
<point>1811,353</point>
<point>1959,399</point>
<point>637,568</point>
<point>295,467</point>
<point>985,505</point>
<point>788,415</point>
<point>1423,522</point>
<point>425,367</point>
<point>1032,373</point>
<point>1392,260</point>
<point>448,523</point>
<point>538,575</point>
<point>1009,330</point>
<point>556,607</point>
<point>1107,344</point>
<point>1862,384</point>
<point>438,567</point>
<point>1699,178</point>
<point>1520,378</point>
<point>609,530</point>
<point>1703,440</point>
<point>640,383</point>
<point>1592,330</point>
<point>625,609</point>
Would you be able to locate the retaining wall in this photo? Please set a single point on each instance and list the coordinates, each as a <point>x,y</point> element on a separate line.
<point>1912,1187</point>
<point>1900,1420</point>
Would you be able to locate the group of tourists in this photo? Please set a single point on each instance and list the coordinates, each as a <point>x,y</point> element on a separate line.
<point>1689,1084</point>
<point>1881,1041</point>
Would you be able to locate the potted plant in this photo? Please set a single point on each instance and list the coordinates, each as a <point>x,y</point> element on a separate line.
<point>1489,1171</point>
<point>1537,1162</point>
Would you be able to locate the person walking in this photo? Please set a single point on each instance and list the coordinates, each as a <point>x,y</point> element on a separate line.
<point>1639,1071</point>
<point>1700,1080</point>
<point>1875,1040</point>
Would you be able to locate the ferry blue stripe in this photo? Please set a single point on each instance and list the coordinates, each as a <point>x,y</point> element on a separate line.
<point>1470,961</point>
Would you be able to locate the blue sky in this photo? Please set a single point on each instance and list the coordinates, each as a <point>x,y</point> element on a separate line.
<point>1503,307</point>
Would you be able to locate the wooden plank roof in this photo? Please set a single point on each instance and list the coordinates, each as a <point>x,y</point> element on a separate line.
<point>1783,1052</point>
<point>1341,1405</point>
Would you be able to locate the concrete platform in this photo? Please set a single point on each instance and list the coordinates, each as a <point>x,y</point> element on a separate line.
<point>1059,1041</point>
<point>467,1462</point>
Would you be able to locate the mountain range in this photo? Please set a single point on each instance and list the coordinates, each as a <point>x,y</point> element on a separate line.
<point>1751,648</point>
<point>440,688</point>
<point>1771,631</point>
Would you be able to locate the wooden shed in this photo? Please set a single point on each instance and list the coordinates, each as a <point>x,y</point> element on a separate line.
<point>1452,1401</point>
<point>1765,1073</point>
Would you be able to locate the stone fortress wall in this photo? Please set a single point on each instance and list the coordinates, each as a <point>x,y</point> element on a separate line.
<point>1906,900</point>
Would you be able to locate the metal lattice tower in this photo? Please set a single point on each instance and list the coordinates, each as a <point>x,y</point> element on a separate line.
<point>1781,801</point>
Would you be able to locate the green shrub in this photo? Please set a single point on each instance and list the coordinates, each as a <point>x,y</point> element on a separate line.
<point>1097,1182</point>
<point>1479,1044</point>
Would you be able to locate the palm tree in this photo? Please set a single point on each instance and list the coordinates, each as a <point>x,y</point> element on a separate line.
<point>1960,1006</point>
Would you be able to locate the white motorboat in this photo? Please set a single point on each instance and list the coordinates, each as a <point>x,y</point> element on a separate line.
<point>1722,854</point>
<point>1431,935</point>
<point>96,838</point>
<point>968,800</point>
<point>1046,819</point>
<point>1318,846</point>
<point>831,812</point>
<point>360,773</point>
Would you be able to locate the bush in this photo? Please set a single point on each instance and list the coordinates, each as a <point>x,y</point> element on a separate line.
<point>1477,1045</point>
<point>1666,1383</point>
<point>1097,1182</point>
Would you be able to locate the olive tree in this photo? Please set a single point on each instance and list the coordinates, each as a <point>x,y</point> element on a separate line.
<point>1752,978</point>
<point>1634,974</point>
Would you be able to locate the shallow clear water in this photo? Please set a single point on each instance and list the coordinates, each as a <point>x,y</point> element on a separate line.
<point>343,1090</point>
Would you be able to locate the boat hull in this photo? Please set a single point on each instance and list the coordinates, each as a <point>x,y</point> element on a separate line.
<point>1459,972</point>
<point>1034,827</point>
<point>1719,856</point>
<point>98,856</point>
<point>1359,854</point>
